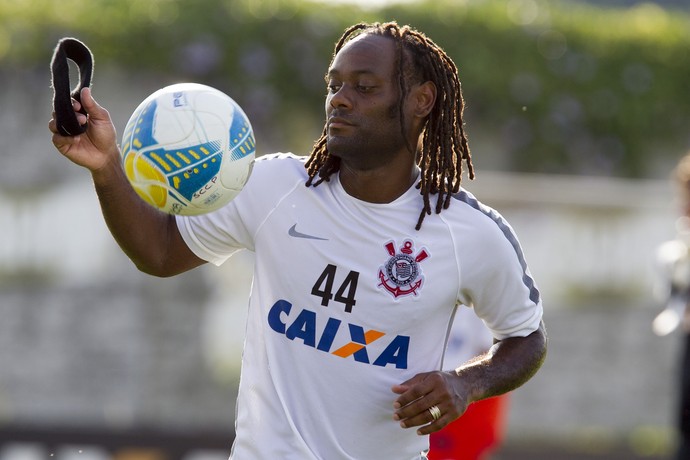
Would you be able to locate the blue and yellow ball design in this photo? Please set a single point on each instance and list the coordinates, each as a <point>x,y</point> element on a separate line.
<point>188,149</point>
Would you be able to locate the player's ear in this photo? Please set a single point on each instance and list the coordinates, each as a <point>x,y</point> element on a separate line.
<point>424,97</point>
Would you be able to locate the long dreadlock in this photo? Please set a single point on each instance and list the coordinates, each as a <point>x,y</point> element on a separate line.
<point>444,143</point>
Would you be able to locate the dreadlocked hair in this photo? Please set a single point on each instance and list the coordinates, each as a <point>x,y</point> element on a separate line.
<point>444,145</point>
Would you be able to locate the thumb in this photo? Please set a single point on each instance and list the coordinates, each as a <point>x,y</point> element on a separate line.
<point>93,109</point>
<point>100,129</point>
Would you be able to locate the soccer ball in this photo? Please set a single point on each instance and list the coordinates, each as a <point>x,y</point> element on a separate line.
<point>188,149</point>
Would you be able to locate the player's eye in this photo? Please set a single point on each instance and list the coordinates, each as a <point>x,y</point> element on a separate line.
<point>333,86</point>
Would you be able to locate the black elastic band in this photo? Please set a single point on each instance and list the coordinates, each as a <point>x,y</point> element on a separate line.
<point>74,50</point>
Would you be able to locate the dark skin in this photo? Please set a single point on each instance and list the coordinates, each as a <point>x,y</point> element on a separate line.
<point>364,131</point>
<point>364,123</point>
<point>131,221</point>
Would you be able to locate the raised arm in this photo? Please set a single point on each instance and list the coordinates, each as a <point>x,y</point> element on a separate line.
<point>149,237</point>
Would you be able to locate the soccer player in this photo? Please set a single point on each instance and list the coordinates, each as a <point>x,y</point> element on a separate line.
<point>363,252</point>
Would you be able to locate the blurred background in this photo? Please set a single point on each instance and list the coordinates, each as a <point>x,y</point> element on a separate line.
<point>576,113</point>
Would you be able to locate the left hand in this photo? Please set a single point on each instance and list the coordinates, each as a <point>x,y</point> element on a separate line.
<point>444,390</point>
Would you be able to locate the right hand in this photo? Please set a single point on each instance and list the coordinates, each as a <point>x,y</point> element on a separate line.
<point>96,148</point>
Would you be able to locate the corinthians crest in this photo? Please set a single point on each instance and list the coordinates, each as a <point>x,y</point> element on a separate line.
<point>401,275</point>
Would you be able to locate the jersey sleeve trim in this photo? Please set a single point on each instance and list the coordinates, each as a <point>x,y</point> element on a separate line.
<point>528,281</point>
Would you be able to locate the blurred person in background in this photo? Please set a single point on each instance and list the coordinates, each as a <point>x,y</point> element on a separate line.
<point>357,275</point>
<point>481,429</point>
<point>673,290</point>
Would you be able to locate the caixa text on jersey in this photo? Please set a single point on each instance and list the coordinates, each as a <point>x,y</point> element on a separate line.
<point>303,328</point>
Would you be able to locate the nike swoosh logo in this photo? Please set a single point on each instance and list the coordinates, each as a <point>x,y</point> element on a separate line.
<point>293,232</point>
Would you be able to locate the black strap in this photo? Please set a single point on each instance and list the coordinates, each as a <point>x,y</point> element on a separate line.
<point>73,49</point>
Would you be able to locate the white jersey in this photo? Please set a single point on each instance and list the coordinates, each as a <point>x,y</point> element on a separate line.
<point>348,299</point>
<point>468,338</point>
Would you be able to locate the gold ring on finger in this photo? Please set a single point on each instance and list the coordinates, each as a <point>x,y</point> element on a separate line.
<point>435,412</point>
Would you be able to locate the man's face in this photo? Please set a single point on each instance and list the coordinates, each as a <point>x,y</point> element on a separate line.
<point>362,105</point>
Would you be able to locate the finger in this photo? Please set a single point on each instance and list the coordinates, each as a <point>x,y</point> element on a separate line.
<point>76,105</point>
<point>434,426</point>
<point>97,114</point>
<point>81,118</point>
<point>407,384</point>
<point>399,389</point>
<point>412,390</point>
<point>63,143</point>
<point>448,413</point>
<point>411,381</point>
<point>89,103</point>
<point>419,417</point>
<point>419,412</point>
